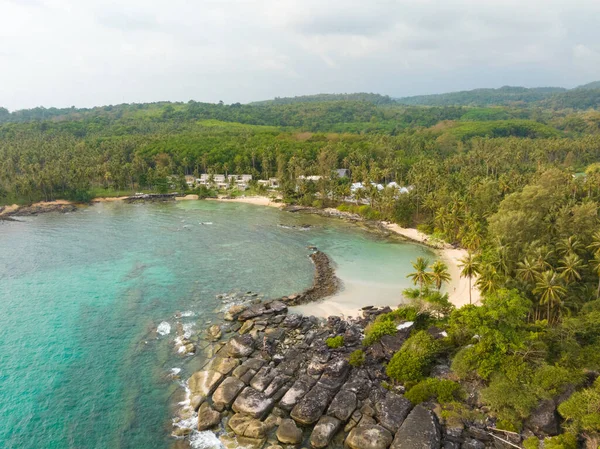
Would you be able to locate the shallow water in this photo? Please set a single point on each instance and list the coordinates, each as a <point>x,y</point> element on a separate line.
<point>82,296</point>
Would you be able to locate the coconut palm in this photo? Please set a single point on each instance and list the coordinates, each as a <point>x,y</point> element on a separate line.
<point>439,274</point>
<point>595,264</point>
<point>527,271</point>
<point>470,267</point>
<point>550,290</point>
<point>595,245</point>
<point>570,268</point>
<point>420,276</point>
<point>489,280</point>
<point>570,245</point>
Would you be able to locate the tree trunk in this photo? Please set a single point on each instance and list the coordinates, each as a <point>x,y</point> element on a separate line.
<point>470,301</point>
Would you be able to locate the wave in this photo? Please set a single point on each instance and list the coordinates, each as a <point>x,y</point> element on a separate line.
<point>205,440</point>
<point>163,328</point>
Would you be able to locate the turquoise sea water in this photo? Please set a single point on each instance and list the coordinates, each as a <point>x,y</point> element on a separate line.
<point>82,294</point>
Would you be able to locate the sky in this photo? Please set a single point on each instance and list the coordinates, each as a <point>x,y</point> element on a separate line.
<point>87,53</point>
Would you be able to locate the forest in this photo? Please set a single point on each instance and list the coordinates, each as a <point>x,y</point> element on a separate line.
<point>518,187</point>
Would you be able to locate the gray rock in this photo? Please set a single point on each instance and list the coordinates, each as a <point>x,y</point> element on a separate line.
<point>472,443</point>
<point>543,419</point>
<point>253,403</point>
<point>392,410</point>
<point>335,374</point>
<point>343,405</point>
<point>226,393</point>
<point>274,388</point>
<point>240,346</point>
<point>324,431</point>
<point>288,432</point>
<point>297,391</point>
<point>207,417</point>
<point>263,378</point>
<point>420,430</point>
<point>224,365</point>
<point>311,407</point>
<point>252,312</point>
<point>277,306</point>
<point>369,436</point>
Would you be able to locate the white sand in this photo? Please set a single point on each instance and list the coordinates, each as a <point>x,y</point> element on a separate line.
<point>186,198</point>
<point>109,199</point>
<point>256,200</point>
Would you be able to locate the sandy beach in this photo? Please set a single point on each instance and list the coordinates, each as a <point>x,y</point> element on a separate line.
<point>256,200</point>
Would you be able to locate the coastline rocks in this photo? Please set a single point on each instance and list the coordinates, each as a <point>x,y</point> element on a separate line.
<point>226,393</point>
<point>420,430</point>
<point>214,333</point>
<point>207,417</point>
<point>369,436</point>
<point>544,419</point>
<point>253,403</point>
<point>325,282</point>
<point>224,365</point>
<point>343,405</point>
<point>240,346</point>
<point>324,431</point>
<point>202,384</point>
<point>392,411</point>
<point>311,407</point>
<point>288,432</point>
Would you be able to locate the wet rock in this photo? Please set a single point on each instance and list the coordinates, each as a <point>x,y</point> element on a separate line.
<point>297,391</point>
<point>369,436</point>
<point>207,417</point>
<point>252,312</point>
<point>246,327</point>
<point>288,432</point>
<point>214,333</point>
<point>311,407</point>
<point>246,426</point>
<point>240,346</point>
<point>324,431</point>
<point>343,405</point>
<point>544,420</point>
<point>233,312</point>
<point>253,403</point>
<point>226,393</point>
<point>202,384</point>
<point>420,430</point>
<point>392,411</point>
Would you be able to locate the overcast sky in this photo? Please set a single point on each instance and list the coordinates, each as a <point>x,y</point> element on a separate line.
<point>96,52</point>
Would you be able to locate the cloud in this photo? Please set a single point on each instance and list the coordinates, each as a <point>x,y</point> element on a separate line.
<point>65,52</point>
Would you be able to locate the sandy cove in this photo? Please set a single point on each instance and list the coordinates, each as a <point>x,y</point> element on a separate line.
<point>256,200</point>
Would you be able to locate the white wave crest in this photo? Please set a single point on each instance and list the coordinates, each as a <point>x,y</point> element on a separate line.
<point>205,440</point>
<point>175,371</point>
<point>163,328</point>
<point>187,313</point>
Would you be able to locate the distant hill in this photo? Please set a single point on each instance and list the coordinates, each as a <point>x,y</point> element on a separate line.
<point>582,97</point>
<point>320,98</point>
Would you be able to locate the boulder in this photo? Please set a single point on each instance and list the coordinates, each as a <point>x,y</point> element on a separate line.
<point>252,312</point>
<point>207,417</point>
<point>214,333</point>
<point>278,386</point>
<point>278,306</point>
<point>246,327</point>
<point>248,427</point>
<point>224,365</point>
<point>420,430</point>
<point>288,432</point>
<point>369,436</point>
<point>233,312</point>
<point>226,393</point>
<point>202,384</point>
<point>253,403</point>
<point>544,419</point>
<point>335,374</point>
<point>324,431</point>
<point>295,393</point>
<point>472,443</point>
<point>311,407</point>
<point>240,346</point>
<point>392,410</point>
<point>263,378</point>
<point>343,405</point>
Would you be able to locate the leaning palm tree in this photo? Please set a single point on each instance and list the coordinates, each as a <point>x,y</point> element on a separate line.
<point>550,290</point>
<point>470,267</point>
<point>570,268</point>
<point>420,276</point>
<point>439,274</point>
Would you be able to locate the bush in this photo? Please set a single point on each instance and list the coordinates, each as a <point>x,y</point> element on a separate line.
<point>564,441</point>
<point>531,443</point>
<point>368,212</point>
<point>375,331</point>
<point>441,390</point>
<point>581,413</point>
<point>335,342</point>
<point>357,358</point>
<point>414,359</point>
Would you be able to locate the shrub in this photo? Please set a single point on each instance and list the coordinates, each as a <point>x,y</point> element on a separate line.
<point>564,441</point>
<point>553,380</point>
<point>441,390</point>
<point>378,329</point>
<point>335,342</point>
<point>531,443</point>
<point>357,358</point>
<point>413,360</point>
<point>581,413</point>
<point>368,212</point>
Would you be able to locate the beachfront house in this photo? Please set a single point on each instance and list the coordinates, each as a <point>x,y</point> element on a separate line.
<point>190,180</point>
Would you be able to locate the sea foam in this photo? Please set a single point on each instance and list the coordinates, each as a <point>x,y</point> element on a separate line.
<point>205,440</point>
<point>163,328</point>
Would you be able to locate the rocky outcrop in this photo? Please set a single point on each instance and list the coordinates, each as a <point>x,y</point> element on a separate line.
<point>207,417</point>
<point>324,431</point>
<point>36,209</point>
<point>151,197</point>
<point>325,282</point>
<point>420,430</point>
<point>544,419</point>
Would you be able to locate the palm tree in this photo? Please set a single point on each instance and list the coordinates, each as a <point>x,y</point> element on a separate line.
<point>570,267</point>
<point>421,276</point>
<point>439,274</point>
<point>470,267</point>
<point>570,245</point>
<point>550,289</point>
<point>488,280</point>
<point>595,245</point>
<point>527,271</point>
<point>595,264</point>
